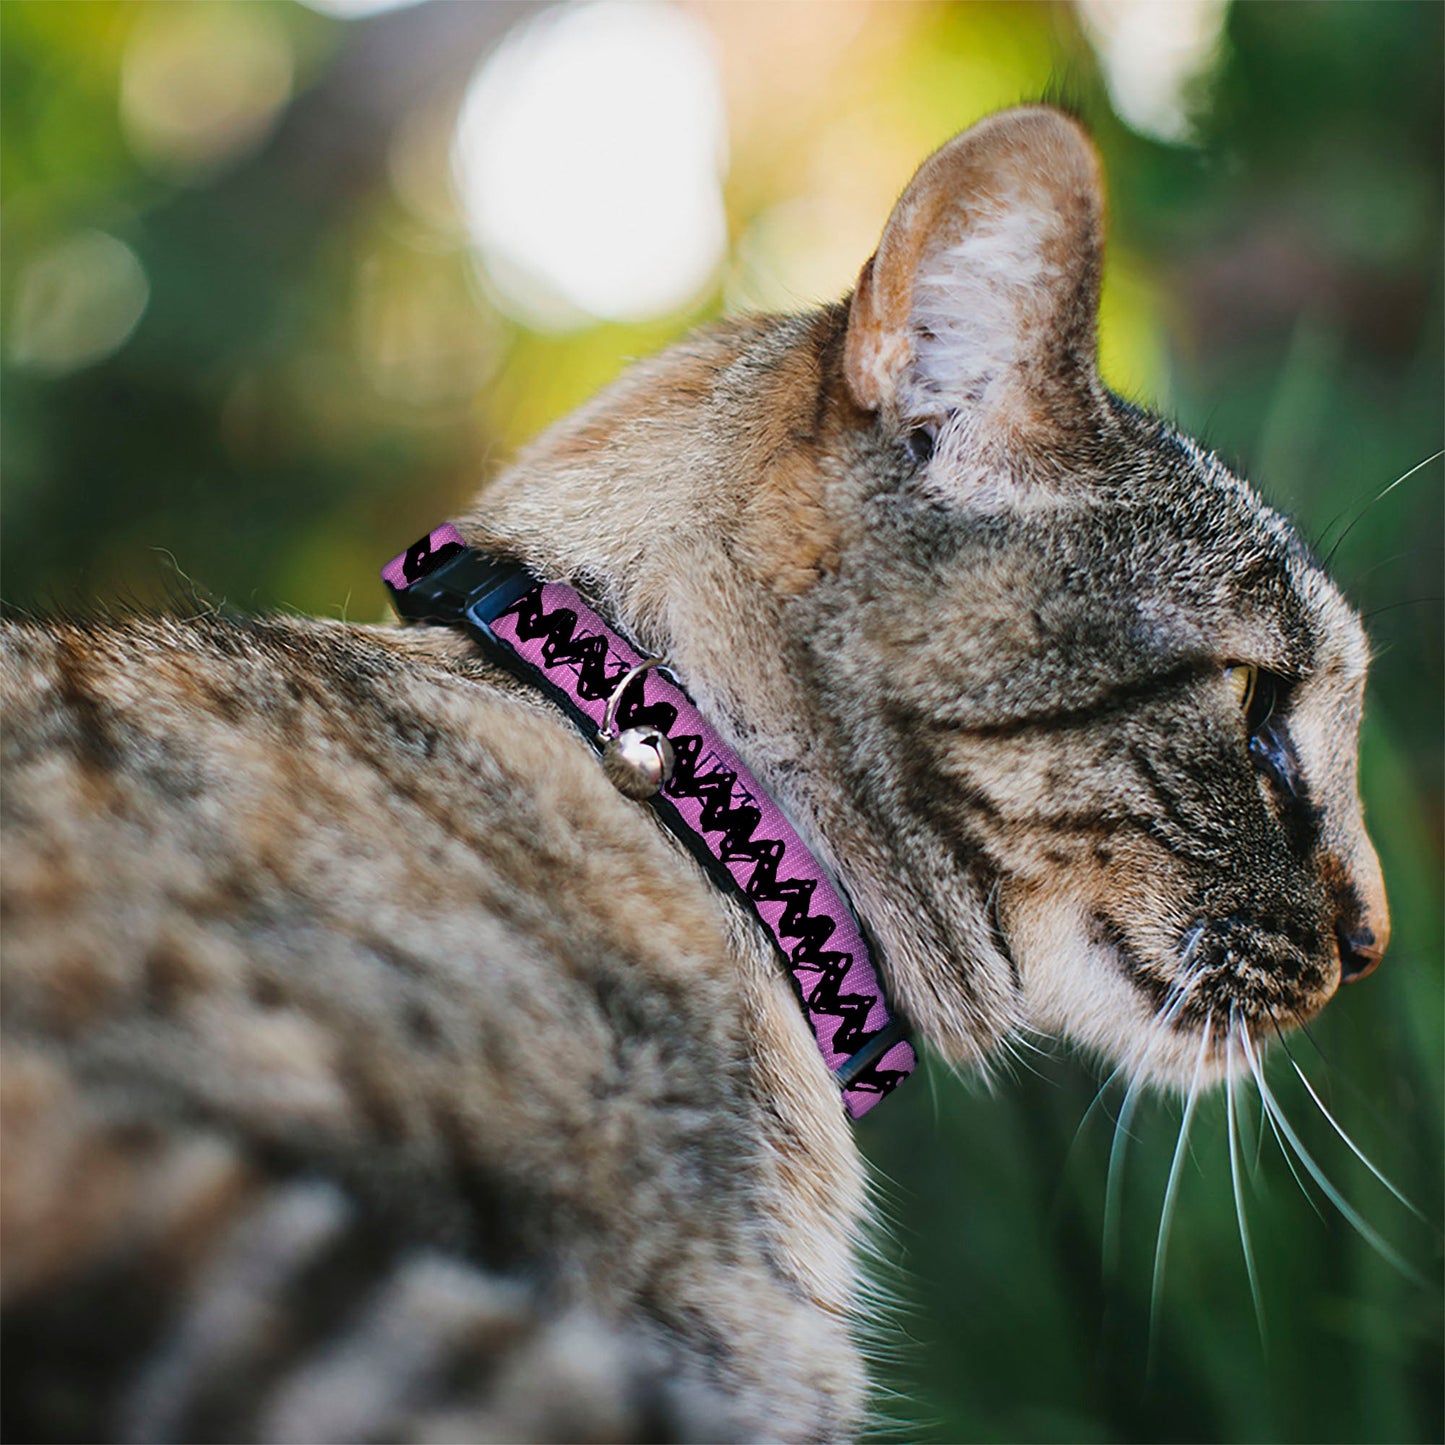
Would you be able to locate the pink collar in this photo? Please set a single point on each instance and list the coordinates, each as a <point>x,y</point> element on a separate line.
<point>546,634</point>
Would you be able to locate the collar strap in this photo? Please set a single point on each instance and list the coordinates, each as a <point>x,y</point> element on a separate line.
<point>545,634</point>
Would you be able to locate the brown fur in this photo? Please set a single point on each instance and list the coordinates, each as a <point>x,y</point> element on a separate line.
<point>386,1074</point>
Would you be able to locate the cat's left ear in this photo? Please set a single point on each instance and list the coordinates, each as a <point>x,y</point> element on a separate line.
<point>983,295</point>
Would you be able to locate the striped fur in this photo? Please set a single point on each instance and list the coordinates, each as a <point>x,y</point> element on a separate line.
<point>373,1070</point>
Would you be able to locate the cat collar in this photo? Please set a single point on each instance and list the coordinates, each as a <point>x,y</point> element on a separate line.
<point>655,743</point>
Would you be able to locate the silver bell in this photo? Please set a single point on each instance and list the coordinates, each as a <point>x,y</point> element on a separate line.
<point>638,761</point>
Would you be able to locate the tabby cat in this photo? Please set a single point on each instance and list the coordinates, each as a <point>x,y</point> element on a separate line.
<point>374,1069</point>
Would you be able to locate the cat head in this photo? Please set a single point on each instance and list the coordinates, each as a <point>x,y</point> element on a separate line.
<point>1070,711</point>
<point>1101,696</point>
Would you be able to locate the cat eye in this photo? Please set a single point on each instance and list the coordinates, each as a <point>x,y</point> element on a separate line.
<point>1254,690</point>
<point>1242,679</point>
<point>919,443</point>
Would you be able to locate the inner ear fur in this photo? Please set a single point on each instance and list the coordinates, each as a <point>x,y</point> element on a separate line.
<point>983,295</point>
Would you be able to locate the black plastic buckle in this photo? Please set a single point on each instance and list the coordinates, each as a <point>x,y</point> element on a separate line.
<point>470,588</point>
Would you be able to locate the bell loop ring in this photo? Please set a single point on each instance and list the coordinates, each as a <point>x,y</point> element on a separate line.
<point>637,761</point>
<point>614,700</point>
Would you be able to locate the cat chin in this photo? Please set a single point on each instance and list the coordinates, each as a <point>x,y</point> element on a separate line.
<point>1075,986</point>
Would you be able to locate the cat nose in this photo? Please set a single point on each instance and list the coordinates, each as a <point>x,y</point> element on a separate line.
<point>1362,927</point>
<point>1360,952</point>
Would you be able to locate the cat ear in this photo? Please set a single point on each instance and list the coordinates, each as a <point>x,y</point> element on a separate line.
<point>983,294</point>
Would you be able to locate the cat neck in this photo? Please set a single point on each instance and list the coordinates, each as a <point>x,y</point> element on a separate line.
<point>700,504</point>
<point>661,749</point>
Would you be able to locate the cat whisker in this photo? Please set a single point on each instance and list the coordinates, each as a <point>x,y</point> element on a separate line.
<point>1251,1128</point>
<point>1259,1131</point>
<point>1338,1128</point>
<point>1123,1127</point>
<point>1041,1045</point>
<point>1171,1188</point>
<point>1309,1033</point>
<point>931,1076</point>
<point>1284,1151</point>
<point>1175,1002</point>
<point>1267,1122</point>
<point>1352,1215</point>
<point>1114,1181</point>
<point>1093,1105</point>
<point>1231,1102</point>
<point>1377,498</point>
<point>1123,1124</point>
<point>1169,1011</point>
<point>1194,936</point>
<point>1022,1040</point>
<point>1011,1045</point>
<point>1391,606</point>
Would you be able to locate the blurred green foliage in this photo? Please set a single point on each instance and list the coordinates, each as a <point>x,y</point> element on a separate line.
<point>317,376</point>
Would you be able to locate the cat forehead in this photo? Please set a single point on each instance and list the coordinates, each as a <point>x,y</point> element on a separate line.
<point>1272,572</point>
<point>1151,547</point>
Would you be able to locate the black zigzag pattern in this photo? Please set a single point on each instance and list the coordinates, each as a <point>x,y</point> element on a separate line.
<point>727,808</point>
<point>563,647</point>
<point>420,560</point>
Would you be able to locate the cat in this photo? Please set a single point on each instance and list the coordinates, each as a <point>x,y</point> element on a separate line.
<point>376,1069</point>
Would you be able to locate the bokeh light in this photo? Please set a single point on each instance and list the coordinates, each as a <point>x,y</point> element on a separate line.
<point>357,9</point>
<point>202,84</point>
<point>76,303</point>
<point>1156,53</point>
<point>588,159</point>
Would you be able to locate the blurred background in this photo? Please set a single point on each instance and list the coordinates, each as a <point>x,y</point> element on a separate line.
<point>283,285</point>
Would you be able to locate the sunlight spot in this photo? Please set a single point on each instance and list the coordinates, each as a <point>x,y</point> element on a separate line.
<point>588,159</point>
<point>77,303</point>
<point>203,84</point>
<point>1154,54</point>
<point>356,9</point>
